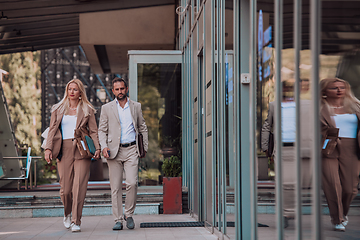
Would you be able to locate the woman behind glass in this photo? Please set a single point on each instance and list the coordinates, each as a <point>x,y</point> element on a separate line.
<point>73,112</point>
<point>340,166</point>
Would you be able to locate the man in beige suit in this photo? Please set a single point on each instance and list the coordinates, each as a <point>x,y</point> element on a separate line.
<point>288,133</point>
<point>121,120</point>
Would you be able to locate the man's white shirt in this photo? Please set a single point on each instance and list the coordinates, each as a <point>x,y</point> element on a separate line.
<point>128,133</point>
<point>288,123</point>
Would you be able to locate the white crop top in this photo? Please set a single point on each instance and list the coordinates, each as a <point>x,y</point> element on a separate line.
<point>347,124</point>
<point>68,125</point>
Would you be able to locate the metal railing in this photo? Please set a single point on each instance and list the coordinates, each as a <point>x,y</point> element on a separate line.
<point>26,172</point>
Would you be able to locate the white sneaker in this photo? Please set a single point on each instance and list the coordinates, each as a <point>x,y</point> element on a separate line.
<point>346,221</point>
<point>339,227</point>
<point>67,221</point>
<point>75,228</point>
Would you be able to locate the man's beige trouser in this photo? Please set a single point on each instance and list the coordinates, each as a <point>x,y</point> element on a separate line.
<point>126,160</point>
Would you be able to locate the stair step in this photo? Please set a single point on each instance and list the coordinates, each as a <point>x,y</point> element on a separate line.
<point>58,210</point>
<point>55,199</point>
<point>33,200</point>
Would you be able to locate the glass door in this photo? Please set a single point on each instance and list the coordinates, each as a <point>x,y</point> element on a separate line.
<point>155,82</point>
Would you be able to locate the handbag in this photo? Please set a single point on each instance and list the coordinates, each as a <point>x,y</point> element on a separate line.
<point>141,145</point>
<point>57,150</point>
<point>44,135</point>
<point>84,143</point>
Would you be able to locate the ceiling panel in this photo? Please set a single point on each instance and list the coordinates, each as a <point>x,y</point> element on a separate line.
<point>39,24</point>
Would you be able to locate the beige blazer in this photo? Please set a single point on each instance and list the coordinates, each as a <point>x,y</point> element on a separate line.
<point>54,138</point>
<point>305,129</point>
<point>110,129</point>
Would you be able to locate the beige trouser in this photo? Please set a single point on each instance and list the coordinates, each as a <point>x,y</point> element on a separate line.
<point>289,178</point>
<point>74,176</point>
<point>340,177</point>
<point>126,160</point>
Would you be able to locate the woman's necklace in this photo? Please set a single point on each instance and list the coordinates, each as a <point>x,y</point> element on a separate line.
<point>336,107</point>
<point>73,108</point>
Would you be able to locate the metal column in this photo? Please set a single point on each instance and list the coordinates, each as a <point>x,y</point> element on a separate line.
<point>237,135</point>
<point>297,46</point>
<point>213,122</point>
<point>278,97</point>
<point>248,200</point>
<point>315,38</point>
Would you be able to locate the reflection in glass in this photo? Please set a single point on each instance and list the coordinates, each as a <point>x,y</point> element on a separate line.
<point>159,92</point>
<point>338,58</point>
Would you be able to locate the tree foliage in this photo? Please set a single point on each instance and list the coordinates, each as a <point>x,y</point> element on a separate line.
<point>22,89</point>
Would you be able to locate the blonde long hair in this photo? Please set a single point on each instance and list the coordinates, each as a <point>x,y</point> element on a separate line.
<point>351,103</point>
<point>63,105</point>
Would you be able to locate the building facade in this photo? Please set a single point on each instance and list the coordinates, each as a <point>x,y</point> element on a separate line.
<point>205,72</point>
<point>236,58</point>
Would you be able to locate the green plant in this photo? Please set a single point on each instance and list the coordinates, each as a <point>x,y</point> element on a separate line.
<point>171,167</point>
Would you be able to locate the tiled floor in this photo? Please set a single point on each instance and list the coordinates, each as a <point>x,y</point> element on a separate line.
<point>269,233</point>
<point>100,227</point>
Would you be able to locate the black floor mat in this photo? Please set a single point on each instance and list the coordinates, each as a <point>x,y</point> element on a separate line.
<point>232,224</point>
<point>183,224</point>
<point>171,224</point>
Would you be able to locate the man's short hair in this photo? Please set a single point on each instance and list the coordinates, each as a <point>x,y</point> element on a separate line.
<point>117,79</point>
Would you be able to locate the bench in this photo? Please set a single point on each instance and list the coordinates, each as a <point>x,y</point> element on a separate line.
<point>25,171</point>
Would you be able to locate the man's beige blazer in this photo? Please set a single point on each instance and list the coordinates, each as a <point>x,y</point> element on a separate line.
<point>306,140</point>
<point>110,129</point>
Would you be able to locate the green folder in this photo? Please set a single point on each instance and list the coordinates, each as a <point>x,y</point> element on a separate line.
<point>90,144</point>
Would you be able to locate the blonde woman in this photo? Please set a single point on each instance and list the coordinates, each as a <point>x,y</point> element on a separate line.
<point>73,112</point>
<point>340,161</point>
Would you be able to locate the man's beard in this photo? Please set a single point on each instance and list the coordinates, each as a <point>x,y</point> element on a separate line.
<point>120,98</point>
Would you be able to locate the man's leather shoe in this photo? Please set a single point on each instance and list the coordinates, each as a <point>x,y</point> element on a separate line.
<point>130,223</point>
<point>118,226</point>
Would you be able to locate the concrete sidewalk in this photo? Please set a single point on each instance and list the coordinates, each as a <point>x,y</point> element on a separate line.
<point>269,233</point>
<point>100,228</point>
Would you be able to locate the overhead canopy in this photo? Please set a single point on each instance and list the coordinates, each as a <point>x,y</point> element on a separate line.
<point>106,37</point>
<point>96,25</point>
<point>44,24</point>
